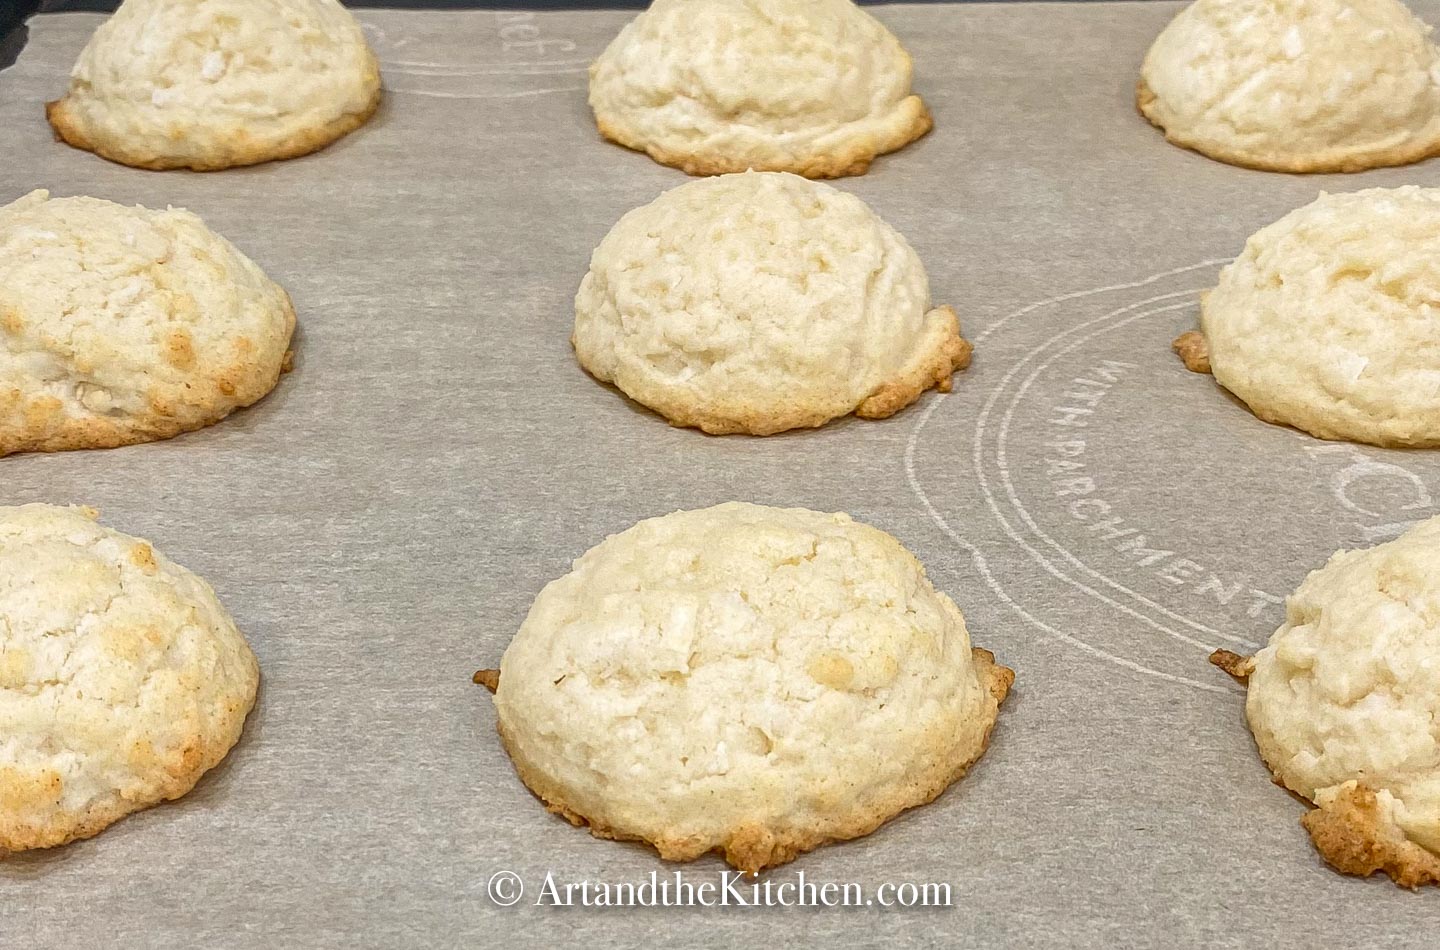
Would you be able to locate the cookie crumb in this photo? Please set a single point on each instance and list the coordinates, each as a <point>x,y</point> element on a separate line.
<point>1236,665</point>
<point>1193,351</point>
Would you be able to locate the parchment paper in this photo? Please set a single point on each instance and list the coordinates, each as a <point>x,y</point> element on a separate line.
<point>380,524</point>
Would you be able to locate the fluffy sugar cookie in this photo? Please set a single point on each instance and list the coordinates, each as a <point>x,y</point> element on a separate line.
<point>1296,85</point>
<point>762,302</point>
<point>121,325</point>
<point>1328,320</point>
<point>210,84</point>
<point>1345,706</point>
<point>122,679</point>
<point>749,680</point>
<point>814,87</point>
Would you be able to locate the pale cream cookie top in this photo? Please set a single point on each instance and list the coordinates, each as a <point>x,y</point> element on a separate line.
<point>1345,705</point>
<point>1296,85</point>
<point>815,87</point>
<point>122,679</point>
<point>208,84</point>
<point>1327,321</point>
<point>122,325</point>
<point>761,302</point>
<point>752,680</point>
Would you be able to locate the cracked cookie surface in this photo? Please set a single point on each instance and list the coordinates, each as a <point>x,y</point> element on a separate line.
<point>122,678</point>
<point>1326,322</point>
<point>122,324</point>
<point>1344,703</point>
<point>814,87</point>
<point>182,84</point>
<point>1296,85</point>
<point>749,680</point>
<point>762,302</point>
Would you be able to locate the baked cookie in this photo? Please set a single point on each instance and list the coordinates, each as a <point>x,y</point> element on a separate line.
<point>1345,706</point>
<point>762,302</point>
<point>210,84</point>
<point>749,680</point>
<point>814,87</point>
<point>1296,85</point>
<point>1327,321</point>
<point>121,325</point>
<point>122,679</point>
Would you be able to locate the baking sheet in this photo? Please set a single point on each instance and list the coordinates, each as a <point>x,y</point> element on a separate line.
<point>380,524</point>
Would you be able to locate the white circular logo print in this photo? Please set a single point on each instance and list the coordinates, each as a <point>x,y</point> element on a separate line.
<point>1129,507</point>
<point>525,58</point>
